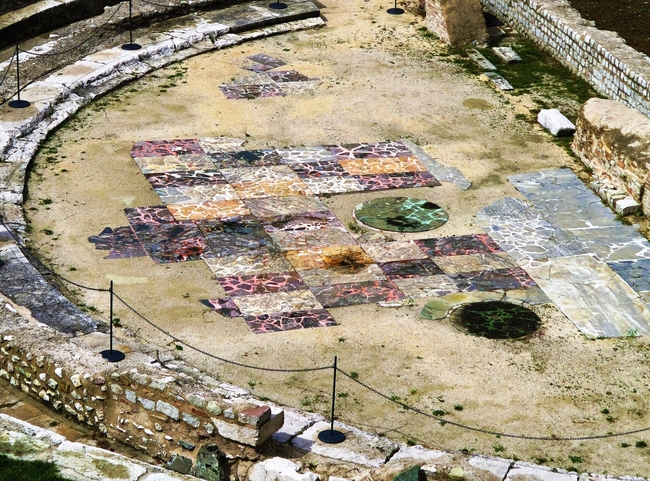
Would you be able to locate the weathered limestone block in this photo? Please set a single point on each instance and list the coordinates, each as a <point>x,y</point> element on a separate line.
<point>249,435</point>
<point>457,22</point>
<point>614,141</point>
<point>556,123</point>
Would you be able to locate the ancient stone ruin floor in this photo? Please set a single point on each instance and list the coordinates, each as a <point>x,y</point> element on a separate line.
<point>521,227</point>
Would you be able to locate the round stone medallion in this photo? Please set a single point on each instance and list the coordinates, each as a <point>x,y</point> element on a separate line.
<point>495,320</point>
<point>400,214</point>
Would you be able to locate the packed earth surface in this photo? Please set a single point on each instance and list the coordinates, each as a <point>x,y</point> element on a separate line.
<point>380,78</point>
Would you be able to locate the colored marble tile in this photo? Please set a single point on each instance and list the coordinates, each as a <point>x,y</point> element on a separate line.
<point>591,295</point>
<point>277,302</point>
<point>251,92</point>
<point>289,321</point>
<point>513,278</point>
<point>357,293</point>
<point>225,209</point>
<point>475,262</point>
<point>197,195</point>
<point>261,283</point>
<point>299,222</point>
<point>225,306</point>
<point>403,180</point>
<point>301,240</point>
<point>400,214</point>
<point>185,178</point>
<point>426,286</point>
<point>300,88</point>
<point>165,148</point>
<point>343,275</point>
<point>459,245</point>
<point>246,265</point>
<point>240,236</point>
<point>257,67</point>
<point>394,251</point>
<point>287,205</point>
<point>155,215</point>
<point>287,76</point>
<point>245,158</point>
<point>297,155</point>
<point>369,150</point>
<point>319,168</point>
<point>156,165</point>
<point>273,181</point>
<point>390,165</point>
<point>220,144</point>
<point>411,268</point>
<point>121,242</point>
<point>261,78</point>
<point>440,172</point>
<point>332,185</point>
<point>328,257</point>
<point>166,240</point>
<point>265,59</point>
<point>191,187</point>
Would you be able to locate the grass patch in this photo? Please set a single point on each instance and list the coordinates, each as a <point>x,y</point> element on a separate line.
<point>18,470</point>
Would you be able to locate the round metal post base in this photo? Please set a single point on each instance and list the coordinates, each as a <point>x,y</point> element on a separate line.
<point>278,6</point>
<point>19,104</point>
<point>112,356</point>
<point>131,46</point>
<point>395,11</point>
<point>331,436</point>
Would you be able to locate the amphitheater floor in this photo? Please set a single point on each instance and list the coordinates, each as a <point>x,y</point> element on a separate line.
<point>379,82</point>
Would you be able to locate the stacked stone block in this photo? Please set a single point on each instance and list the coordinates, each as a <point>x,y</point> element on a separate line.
<point>600,57</point>
<point>614,142</point>
<point>456,22</point>
<point>156,410</point>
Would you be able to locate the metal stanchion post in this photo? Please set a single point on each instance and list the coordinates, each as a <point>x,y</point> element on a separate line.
<point>395,10</point>
<point>277,5</point>
<point>18,104</point>
<point>131,45</point>
<point>331,436</point>
<point>112,355</point>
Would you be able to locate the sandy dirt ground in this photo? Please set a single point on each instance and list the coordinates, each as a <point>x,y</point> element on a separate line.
<point>380,81</point>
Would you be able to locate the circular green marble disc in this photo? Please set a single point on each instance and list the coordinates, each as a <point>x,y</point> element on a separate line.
<point>495,320</point>
<point>401,214</point>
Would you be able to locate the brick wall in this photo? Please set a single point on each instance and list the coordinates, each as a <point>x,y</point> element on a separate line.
<point>600,57</point>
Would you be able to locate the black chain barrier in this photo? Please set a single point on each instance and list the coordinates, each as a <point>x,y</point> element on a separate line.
<point>227,361</point>
<point>4,77</point>
<point>79,45</point>
<point>487,431</point>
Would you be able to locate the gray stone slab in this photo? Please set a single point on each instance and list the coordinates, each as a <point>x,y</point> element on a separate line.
<point>531,472</point>
<point>594,297</point>
<point>498,81</point>
<point>568,204</point>
<point>507,54</point>
<point>635,273</point>
<point>24,285</point>
<point>524,233</point>
<point>253,15</point>
<point>478,58</point>
<point>359,448</point>
<point>440,172</point>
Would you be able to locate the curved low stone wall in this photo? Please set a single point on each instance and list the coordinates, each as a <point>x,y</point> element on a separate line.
<point>600,57</point>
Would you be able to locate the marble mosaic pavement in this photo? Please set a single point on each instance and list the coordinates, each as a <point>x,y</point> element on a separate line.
<point>596,269</point>
<point>268,82</point>
<point>281,257</point>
